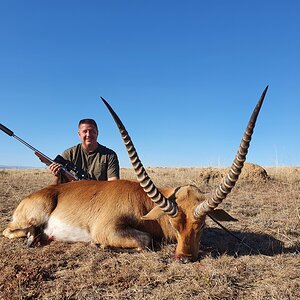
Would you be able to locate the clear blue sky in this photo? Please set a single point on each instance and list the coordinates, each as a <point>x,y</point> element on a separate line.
<point>183,76</point>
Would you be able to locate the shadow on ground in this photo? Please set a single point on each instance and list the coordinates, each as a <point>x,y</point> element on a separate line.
<point>216,241</point>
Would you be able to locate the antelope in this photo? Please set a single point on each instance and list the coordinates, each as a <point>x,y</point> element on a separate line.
<point>126,214</point>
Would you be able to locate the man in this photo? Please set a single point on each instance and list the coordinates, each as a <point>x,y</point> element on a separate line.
<point>97,161</point>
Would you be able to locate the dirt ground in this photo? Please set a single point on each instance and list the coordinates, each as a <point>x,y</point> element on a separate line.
<point>263,263</point>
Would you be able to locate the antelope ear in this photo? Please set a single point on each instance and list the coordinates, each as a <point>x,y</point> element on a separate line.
<point>154,214</point>
<point>221,215</point>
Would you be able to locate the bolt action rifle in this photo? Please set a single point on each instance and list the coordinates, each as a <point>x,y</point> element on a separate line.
<point>68,169</point>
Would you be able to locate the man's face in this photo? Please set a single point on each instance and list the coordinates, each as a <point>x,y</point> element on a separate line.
<point>88,135</point>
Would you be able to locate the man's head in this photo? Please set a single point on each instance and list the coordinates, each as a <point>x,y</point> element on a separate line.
<point>88,134</point>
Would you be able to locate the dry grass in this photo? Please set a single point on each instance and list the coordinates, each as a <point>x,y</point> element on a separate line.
<point>268,209</point>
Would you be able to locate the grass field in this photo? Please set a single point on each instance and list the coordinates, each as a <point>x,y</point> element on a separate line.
<point>268,209</point>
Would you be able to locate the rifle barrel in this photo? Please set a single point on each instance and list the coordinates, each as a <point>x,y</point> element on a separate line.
<point>38,153</point>
<point>6,130</point>
<point>31,147</point>
<point>11,133</point>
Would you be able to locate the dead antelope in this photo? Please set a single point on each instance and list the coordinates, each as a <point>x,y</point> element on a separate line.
<point>127,214</point>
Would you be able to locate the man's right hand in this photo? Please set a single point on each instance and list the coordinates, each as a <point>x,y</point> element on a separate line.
<point>55,168</point>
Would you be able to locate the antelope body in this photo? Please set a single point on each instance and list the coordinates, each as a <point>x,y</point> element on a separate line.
<point>112,214</point>
<point>127,214</point>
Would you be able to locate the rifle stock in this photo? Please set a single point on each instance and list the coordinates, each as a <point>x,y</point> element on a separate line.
<point>65,173</point>
<point>43,159</point>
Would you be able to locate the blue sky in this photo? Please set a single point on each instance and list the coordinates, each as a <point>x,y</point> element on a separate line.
<point>183,76</point>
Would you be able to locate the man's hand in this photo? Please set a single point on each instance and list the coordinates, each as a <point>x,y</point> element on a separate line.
<point>55,168</point>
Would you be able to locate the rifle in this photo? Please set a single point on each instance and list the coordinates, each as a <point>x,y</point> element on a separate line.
<point>69,170</point>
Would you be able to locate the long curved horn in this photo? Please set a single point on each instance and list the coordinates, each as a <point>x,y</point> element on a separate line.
<point>230,179</point>
<point>166,205</point>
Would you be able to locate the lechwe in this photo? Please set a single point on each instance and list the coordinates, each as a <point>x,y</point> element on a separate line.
<point>126,214</point>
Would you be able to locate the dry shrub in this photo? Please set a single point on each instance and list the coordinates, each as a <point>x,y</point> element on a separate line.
<point>289,175</point>
<point>251,173</point>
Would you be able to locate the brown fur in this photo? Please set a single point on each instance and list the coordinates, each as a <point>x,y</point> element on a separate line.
<point>116,214</point>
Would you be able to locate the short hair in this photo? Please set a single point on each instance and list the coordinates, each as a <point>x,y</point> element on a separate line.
<point>88,121</point>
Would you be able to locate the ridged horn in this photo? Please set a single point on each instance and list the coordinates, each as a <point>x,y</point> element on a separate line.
<point>232,176</point>
<point>166,205</point>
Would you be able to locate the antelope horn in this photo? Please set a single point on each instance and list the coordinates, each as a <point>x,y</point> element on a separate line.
<point>166,205</point>
<point>231,178</point>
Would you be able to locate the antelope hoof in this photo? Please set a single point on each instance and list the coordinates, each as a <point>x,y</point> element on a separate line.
<point>30,240</point>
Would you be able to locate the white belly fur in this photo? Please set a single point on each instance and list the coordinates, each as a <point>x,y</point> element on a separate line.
<point>60,231</point>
